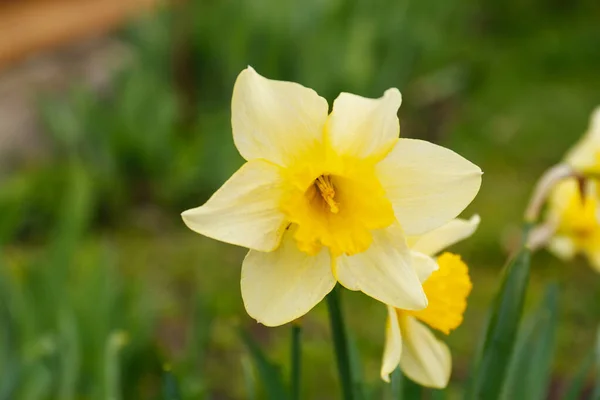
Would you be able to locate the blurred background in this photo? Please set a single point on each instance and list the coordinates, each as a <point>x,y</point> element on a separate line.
<point>115,117</point>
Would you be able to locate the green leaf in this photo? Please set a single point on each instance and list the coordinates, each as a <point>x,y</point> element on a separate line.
<point>356,368</point>
<point>268,372</point>
<point>502,328</point>
<point>397,385</point>
<point>578,382</point>
<point>528,375</point>
<point>170,386</point>
<point>296,361</point>
<point>412,390</point>
<point>596,394</point>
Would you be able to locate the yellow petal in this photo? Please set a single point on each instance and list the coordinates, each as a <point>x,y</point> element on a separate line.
<point>283,285</point>
<point>362,127</point>
<point>593,257</point>
<point>445,236</point>
<point>423,265</point>
<point>275,120</point>
<point>425,359</point>
<point>427,184</point>
<point>245,210</point>
<point>384,272</point>
<point>585,154</point>
<point>393,345</point>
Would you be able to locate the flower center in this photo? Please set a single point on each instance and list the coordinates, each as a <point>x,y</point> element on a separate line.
<point>336,204</point>
<point>327,191</point>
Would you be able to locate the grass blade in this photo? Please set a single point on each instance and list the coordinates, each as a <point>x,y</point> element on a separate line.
<point>170,386</point>
<point>502,329</point>
<point>296,360</point>
<point>268,372</point>
<point>578,382</point>
<point>397,384</point>
<point>596,394</point>
<point>529,372</point>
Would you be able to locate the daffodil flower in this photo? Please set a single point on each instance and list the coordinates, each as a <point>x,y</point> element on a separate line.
<point>585,155</point>
<point>576,221</point>
<point>328,197</point>
<point>409,343</point>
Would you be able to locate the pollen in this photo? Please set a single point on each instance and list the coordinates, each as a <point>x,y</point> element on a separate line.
<point>327,191</point>
<point>447,290</point>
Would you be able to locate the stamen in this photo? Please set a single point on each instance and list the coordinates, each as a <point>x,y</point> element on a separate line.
<point>327,192</point>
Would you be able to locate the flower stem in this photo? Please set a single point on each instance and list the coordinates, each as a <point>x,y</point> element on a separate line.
<point>340,342</point>
<point>296,360</point>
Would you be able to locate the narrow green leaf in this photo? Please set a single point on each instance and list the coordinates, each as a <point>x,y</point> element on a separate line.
<point>249,378</point>
<point>340,343</point>
<point>69,355</point>
<point>268,372</point>
<point>437,394</point>
<point>502,328</point>
<point>412,390</point>
<point>397,384</point>
<point>170,386</point>
<point>112,371</point>
<point>596,394</point>
<point>578,382</point>
<point>528,374</point>
<point>359,389</point>
<point>296,354</point>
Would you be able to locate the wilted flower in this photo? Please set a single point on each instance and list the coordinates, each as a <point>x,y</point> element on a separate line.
<point>409,343</point>
<point>326,198</point>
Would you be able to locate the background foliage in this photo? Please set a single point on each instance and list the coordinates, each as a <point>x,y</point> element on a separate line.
<point>101,284</point>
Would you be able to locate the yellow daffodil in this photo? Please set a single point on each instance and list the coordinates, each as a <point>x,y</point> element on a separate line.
<point>585,155</point>
<point>409,343</point>
<point>329,197</point>
<point>576,221</point>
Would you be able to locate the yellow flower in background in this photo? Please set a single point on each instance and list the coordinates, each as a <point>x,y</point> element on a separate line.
<point>585,155</point>
<point>409,343</point>
<point>329,197</point>
<point>576,221</point>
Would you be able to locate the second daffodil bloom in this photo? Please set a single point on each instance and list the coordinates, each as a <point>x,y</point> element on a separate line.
<point>575,218</point>
<point>584,157</point>
<point>576,221</point>
<point>328,197</point>
<point>409,343</point>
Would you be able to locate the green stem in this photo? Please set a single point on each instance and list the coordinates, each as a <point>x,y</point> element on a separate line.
<point>296,360</point>
<point>397,384</point>
<point>340,342</point>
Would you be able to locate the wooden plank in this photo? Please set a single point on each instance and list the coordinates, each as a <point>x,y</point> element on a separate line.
<point>28,27</point>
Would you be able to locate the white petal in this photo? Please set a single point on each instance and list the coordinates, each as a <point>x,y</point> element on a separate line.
<point>425,359</point>
<point>393,345</point>
<point>433,242</point>
<point>384,271</point>
<point>423,265</point>
<point>428,185</point>
<point>562,247</point>
<point>283,285</point>
<point>275,120</point>
<point>363,127</point>
<point>583,155</point>
<point>245,210</point>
